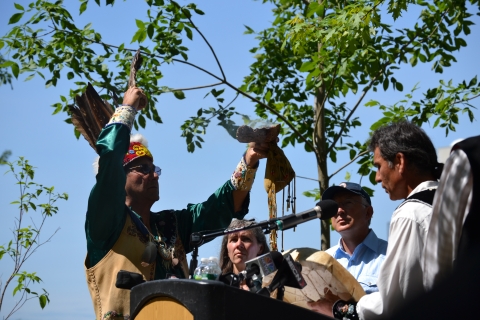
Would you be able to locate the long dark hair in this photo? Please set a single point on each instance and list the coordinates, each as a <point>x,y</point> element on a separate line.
<point>225,263</point>
<point>412,141</point>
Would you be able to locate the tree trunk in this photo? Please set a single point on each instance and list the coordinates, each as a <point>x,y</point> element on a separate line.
<point>321,152</point>
<point>321,155</point>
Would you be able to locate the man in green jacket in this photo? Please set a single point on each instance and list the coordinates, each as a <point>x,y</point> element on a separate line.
<point>123,234</point>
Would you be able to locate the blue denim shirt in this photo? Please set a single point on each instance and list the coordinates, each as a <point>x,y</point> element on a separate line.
<point>365,262</point>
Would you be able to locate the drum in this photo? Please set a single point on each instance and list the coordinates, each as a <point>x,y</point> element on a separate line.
<point>323,274</point>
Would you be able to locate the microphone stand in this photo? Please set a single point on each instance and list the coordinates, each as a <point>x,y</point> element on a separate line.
<point>199,238</point>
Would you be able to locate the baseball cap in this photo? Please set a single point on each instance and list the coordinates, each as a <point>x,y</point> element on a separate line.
<point>350,186</point>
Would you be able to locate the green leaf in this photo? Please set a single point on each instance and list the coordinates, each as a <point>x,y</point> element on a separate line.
<point>385,84</point>
<point>83,6</point>
<point>308,66</point>
<point>140,24</point>
<point>372,103</point>
<point>141,121</point>
<point>348,176</point>
<point>30,77</point>
<point>372,176</point>
<point>353,153</point>
<point>198,11</point>
<point>150,31</point>
<point>15,18</point>
<point>249,30</point>
<point>19,7</point>
<point>43,300</point>
<point>179,94</point>
<point>268,96</point>
<point>188,31</point>
<point>15,69</point>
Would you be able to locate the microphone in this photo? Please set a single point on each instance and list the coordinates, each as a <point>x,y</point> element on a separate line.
<point>259,267</point>
<point>288,274</point>
<point>263,265</point>
<point>324,210</point>
<point>255,270</point>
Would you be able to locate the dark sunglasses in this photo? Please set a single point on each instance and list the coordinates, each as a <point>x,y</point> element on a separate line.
<point>146,169</point>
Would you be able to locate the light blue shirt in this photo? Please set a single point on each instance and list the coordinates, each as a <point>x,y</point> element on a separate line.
<point>365,262</point>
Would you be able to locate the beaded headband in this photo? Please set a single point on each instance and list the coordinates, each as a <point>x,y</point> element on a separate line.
<point>136,150</point>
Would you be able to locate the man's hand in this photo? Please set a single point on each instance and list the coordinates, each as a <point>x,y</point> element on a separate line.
<point>325,304</point>
<point>257,151</point>
<point>136,98</point>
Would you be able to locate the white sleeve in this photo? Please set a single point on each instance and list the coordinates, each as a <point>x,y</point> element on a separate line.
<point>401,274</point>
<point>450,206</point>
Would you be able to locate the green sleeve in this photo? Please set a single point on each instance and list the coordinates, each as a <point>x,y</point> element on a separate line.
<point>215,213</point>
<point>106,204</point>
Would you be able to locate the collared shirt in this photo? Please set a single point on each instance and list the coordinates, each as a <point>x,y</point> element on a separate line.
<point>364,264</point>
<point>401,276</point>
<point>450,208</point>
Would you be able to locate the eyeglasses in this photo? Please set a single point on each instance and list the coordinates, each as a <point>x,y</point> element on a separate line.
<point>147,169</point>
<point>349,204</point>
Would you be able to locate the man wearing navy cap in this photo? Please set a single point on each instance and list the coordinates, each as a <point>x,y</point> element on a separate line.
<point>358,250</point>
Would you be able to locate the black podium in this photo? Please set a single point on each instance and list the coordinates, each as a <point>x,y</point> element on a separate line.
<point>180,299</point>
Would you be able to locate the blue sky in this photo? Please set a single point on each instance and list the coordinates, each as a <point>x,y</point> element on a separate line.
<point>28,129</point>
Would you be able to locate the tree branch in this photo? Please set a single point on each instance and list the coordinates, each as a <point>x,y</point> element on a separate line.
<point>369,86</point>
<point>463,101</point>
<point>193,88</point>
<point>236,96</point>
<point>275,112</point>
<point>211,49</point>
<point>348,163</point>
<point>224,81</point>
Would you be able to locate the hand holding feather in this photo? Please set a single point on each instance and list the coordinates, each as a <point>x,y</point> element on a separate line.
<point>133,97</point>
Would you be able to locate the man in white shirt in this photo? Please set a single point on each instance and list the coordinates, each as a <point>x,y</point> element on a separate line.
<point>451,257</point>
<point>407,168</point>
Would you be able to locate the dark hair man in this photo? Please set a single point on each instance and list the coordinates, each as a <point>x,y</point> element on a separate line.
<point>407,168</point>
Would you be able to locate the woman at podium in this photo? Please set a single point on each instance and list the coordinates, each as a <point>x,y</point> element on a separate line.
<point>240,247</point>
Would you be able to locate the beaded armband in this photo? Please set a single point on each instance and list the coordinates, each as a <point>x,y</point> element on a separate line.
<point>125,115</point>
<point>344,310</point>
<point>243,176</point>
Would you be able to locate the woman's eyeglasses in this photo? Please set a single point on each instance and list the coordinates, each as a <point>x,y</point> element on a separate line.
<point>147,169</point>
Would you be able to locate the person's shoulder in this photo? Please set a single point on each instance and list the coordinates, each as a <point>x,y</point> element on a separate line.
<point>412,210</point>
<point>331,251</point>
<point>376,244</point>
<point>382,246</point>
<point>162,215</point>
<point>414,207</point>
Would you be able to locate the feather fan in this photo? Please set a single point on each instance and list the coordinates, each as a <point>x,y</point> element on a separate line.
<point>90,113</point>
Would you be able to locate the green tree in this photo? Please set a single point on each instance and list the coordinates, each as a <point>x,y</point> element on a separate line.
<point>26,238</point>
<point>5,76</point>
<point>4,157</point>
<point>331,49</point>
<point>314,50</point>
